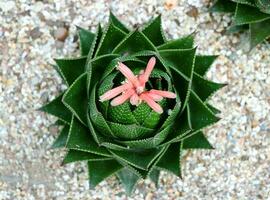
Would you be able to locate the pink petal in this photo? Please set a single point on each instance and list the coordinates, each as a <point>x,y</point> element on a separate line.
<point>165,94</point>
<point>134,99</point>
<point>155,97</point>
<point>122,98</point>
<point>128,74</point>
<point>148,70</point>
<point>114,92</point>
<point>156,107</point>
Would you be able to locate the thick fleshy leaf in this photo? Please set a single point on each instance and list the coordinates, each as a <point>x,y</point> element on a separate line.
<point>86,40</point>
<point>135,41</point>
<point>62,138</point>
<point>154,176</point>
<point>74,156</point>
<point>179,129</point>
<point>118,23</point>
<point>170,160</point>
<point>199,115</point>
<point>105,86</point>
<point>151,142</point>
<point>181,43</point>
<point>259,32</point>
<point>109,40</point>
<point>97,118</point>
<point>153,30</point>
<point>96,69</point>
<point>223,6</point>
<point>129,131</point>
<point>181,61</point>
<point>246,2</point>
<point>237,29</point>
<point>203,63</point>
<point>79,138</point>
<point>204,88</point>
<point>96,42</point>
<point>71,68</point>
<point>121,114</point>
<point>139,159</point>
<point>128,179</point>
<point>58,109</point>
<point>197,141</point>
<point>245,14</point>
<point>75,98</point>
<point>213,109</point>
<point>263,5</point>
<point>100,170</point>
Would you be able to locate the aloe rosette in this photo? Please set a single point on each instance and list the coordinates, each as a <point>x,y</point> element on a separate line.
<point>250,15</point>
<point>135,101</point>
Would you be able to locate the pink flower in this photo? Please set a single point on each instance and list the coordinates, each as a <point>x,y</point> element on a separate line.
<point>134,89</point>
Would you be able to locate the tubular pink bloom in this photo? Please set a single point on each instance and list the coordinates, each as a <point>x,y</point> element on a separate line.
<point>134,100</point>
<point>155,97</point>
<point>165,94</point>
<point>151,103</point>
<point>134,89</point>
<point>128,74</point>
<point>148,70</point>
<point>122,98</point>
<point>114,92</point>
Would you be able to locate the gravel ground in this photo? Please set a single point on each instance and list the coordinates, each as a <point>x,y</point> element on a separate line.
<point>34,32</point>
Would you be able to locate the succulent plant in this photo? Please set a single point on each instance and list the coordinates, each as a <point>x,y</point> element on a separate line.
<point>159,107</point>
<point>251,15</point>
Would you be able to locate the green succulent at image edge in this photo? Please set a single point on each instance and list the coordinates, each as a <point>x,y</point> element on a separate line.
<point>128,141</point>
<point>251,15</point>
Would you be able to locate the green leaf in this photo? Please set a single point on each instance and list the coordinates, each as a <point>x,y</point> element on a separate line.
<point>97,68</point>
<point>237,29</point>
<point>199,115</point>
<point>170,161</point>
<point>97,118</point>
<point>153,30</point>
<point>259,32</point>
<point>100,170</point>
<point>197,141</point>
<point>75,98</point>
<point>58,109</point>
<point>203,63</point>
<point>204,88</point>
<point>151,142</point>
<point>154,176</point>
<point>106,85</point>
<point>129,131</point>
<point>246,2</point>
<point>74,156</point>
<point>213,109</point>
<point>71,68</point>
<point>79,138</point>
<point>139,159</point>
<point>62,138</point>
<point>141,112</point>
<point>181,43</point>
<point>95,45</point>
<point>86,40</point>
<point>181,61</point>
<point>121,114</point>
<point>128,179</point>
<point>118,23</point>
<point>109,40</point>
<point>263,5</point>
<point>245,14</point>
<point>223,6</point>
<point>135,41</point>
